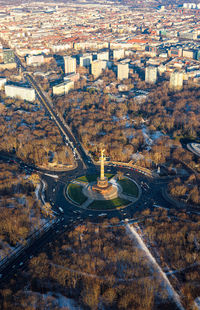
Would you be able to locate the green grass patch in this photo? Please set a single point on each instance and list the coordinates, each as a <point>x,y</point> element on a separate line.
<point>75,193</point>
<point>108,204</point>
<point>92,177</point>
<point>129,187</point>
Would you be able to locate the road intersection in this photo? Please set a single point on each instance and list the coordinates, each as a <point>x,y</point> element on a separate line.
<point>70,215</point>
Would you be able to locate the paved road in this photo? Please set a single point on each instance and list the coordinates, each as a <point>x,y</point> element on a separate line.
<point>73,215</point>
<point>64,129</point>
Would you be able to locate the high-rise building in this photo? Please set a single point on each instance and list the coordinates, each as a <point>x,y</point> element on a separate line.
<point>103,55</point>
<point>151,74</point>
<point>8,56</point>
<point>122,71</point>
<point>117,54</point>
<point>96,68</point>
<point>70,64</point>
<point>176,80</point>
<point>85,60</point>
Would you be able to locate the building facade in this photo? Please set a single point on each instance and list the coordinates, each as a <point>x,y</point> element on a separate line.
<point>103,55</point>
<point>19,92</point>
<point>72,76</point>
<point>117,54</point>
<point>176,80</point>
<point>34,60</point>
<point>63,88</point>
<point>151,74</point>
<point>97,68</point>
<point>85,60</point>
<point>122,71</point>
<point>70,64</point>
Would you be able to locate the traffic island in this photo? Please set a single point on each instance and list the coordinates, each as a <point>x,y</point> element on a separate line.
<point>75,193</point>
<point>112,204</point>
<point>129,187</point>
<point>104,192</point>
<point>125,191</point>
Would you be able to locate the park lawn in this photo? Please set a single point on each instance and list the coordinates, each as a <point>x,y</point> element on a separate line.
<point>108,204</point>
<point>92,177</point>
<point>75,193</point>
<point>129,187</point>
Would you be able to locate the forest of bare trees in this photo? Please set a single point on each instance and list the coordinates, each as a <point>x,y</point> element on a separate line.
<point>94,266</point>
<point>174,238</point>
<point>28,131</point>
<point>20,209</point>
<point>97,118</point>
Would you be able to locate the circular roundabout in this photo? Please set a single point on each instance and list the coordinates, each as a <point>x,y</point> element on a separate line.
<point>107,192</point>
<point>116,193</point>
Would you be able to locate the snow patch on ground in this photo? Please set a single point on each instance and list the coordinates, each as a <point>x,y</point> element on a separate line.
<point>57,299</point>
<point>197,303</point>
<point>137,156</point>
<point>52,175</point>
<point>37,190</point>
<point>167,285</point>
<point>150,138</point>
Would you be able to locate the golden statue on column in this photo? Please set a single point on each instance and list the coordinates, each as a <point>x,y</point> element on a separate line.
<point>102,184</point>
<point>102,165</point>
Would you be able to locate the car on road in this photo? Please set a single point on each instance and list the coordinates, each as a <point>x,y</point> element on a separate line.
<point>102,214</point>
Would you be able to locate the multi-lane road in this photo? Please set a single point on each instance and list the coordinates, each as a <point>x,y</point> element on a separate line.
<point>67,135</point>
<point>56,183</point>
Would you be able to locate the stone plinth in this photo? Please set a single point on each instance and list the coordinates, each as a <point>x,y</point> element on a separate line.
<point>102,186</point>
<point>96,193</point>
<point>102,183</point>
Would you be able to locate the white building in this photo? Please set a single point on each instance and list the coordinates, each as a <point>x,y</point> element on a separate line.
<point>122,71</point>
<point>63,88</point>
<point>161,69</point>
<point>118,54</point>
<point>151,74</point>
<point>189,5</point>
<point>103,55</point>
<point>176,80</point>
<point>97,67</point>
<point>34,60</point>
<point>85,60</point>
<point>20,92</point>
<point>70,64</point>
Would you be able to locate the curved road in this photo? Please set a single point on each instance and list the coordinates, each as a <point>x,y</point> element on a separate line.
<point>57,181</point>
